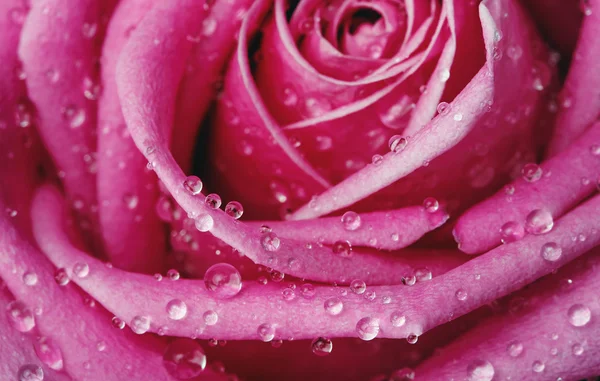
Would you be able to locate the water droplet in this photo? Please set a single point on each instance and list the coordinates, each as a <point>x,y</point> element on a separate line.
<point>514,52</point>
<point>234,209</point>
<point>358,286</point>
<point>176,309</point>
<point>173,274</point>
<point>342,248</point>
<point>458,117</point>
<point>307,290</point>
<point>514,348</point>
<point>579,315</point>
<point>551,251</point>
<point>321,346</point>
<point>48,353</point>
<point>397,319</point>
<point>397,143</point>
<point>595,149</point>
<point>324,143</point>
<point>461,294</point>
<point>81,270</point>
<point>333,306</point>
<point>30,278</point>
<point>480,370</point>
<point>586,7</point>
<point>22,115</point>
<point>193,185</point>
<point>74,116</point>
<point>277,276</point>
<point>431,205</point>
<point>209,26</point>
<point>409,280</point>
<point>20,316</point>
<point>117,323</point>
<point>538,222</point>
<point>140,324</point>
<point>377,159</point>
<point>210,317</point>
<point>444,75</point>
<point>101,346</point>
<point>31,372</point>
<point>404,374</point>
<point>367,328</point>
<point>538,366</point>
<point>443,108</point>
<point>317,106</point>
<point>531,172</point>
<point>423,274</point>
<point>223,280</point>
<point>91,90</point>
<point>351,221</point>
<point>61,277</point>
<point>577,349</point>
<point>270,241</point>
<point>204,222</point>
<point>213,201</point>
<point>511,231</point>
<point>89,30</point>
<point>184,359</point>
<point>412,338</point>
<point>266,332</point>
<point>290,97</point>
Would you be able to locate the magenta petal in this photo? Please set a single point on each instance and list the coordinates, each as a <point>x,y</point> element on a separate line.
<point>567,179</point>
<point>389,230</point>
<point>127,192</point>
<point>580,97</point>
<point>537,342</point>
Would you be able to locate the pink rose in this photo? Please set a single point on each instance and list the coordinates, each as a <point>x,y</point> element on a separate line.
<point>343,144</point>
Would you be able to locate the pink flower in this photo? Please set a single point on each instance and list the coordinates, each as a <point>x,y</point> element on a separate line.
<point>343,144</point>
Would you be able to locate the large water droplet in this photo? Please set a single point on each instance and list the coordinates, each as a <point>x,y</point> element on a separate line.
<point>358,286</point>
<point>213,201</point>
<point>30,278</point>
<point>184,359</point>
<point>270,241</point>
<point>397,143</point>
<point>397,319</point>
<point>333,306</point>
<point>412,338</point>
<point>266,332</point>
<point>223,280</point>
<point>351,221</point>
<point>367,328</point>
<point>61,277</point>
<point>511,231</point>
<point>204,222</point>
<point>538,366</point>
<point>210,317</point>
<point>176,309</point>
<point>551,251</point>
<point>480,370</point>
<point>140,324</point>
<point>579,315</point>
<point>117,323</point>
<point>234,209</point>
<point>321,346</point>
<point>342,248</point>
<point>531,172</point>
<point>193,185</point>
<point>81,270</point>
<point>30,372</point>
<point>431,205</point>
<point>20,316</point>
<point>539,221</point>
<point>48,353</point>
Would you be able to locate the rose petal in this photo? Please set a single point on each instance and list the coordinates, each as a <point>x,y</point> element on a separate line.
<point>540,334</point>
<point>127,192</point>
<point>567,179</point>
<point>580,96</point>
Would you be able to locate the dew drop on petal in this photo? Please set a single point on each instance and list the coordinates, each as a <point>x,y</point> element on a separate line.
<point>321,346</point>
<point>397,143</point>
<point>539,221</point>
<point>480,370</point>
<point>266,332</point>
<point>514,348</point>
<point>358,286</point>
<point>412,338</point>
<point>30,372</point>
<point>140,324</point>
<point>173,274</point>
<point>511,231</point>
<point>342,248</point>
<point>61,277</point>
<point>577,349</point>
<point>307,290</point>
<point>377,159</point>
<point>423,274</point>
<point>204,222</point>
<point>20,316</point>
<point>213,201</point>
<point>538,366</point>
<point>234,209</point>
<point>351,221</point>
<point>367,328</point>
<point>270,241</point>
<point>531,172</point>
<point>193,185</point>
<point>30,278</point>
<point>223,280</point>
<point>461,295</point>
<point>551,252</point>
<point>579,315</point>
<point>431,205</point>
<point>176,309</point>
<point>333,306</point>
<point>117,323</point>
<point>48,353</point>
<point>81,270</point>
<point>209,26</point>
<point>397,319</point>
<point>130,200</point>
<point>404,374</point>
<point>443,108</point>
<point>210,317</point>
<point>184,359</point>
